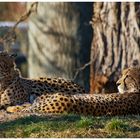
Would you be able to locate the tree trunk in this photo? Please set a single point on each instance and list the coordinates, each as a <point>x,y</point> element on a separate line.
<point>116,41</point>
<point>59,40</point>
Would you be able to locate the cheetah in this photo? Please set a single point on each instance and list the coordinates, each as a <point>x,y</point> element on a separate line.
<point>83,104</point>
<point>130,80</point>
<point>87,104</point>
<point>16,90</point>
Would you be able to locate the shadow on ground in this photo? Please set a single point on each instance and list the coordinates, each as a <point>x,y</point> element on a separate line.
<point>36,119</point>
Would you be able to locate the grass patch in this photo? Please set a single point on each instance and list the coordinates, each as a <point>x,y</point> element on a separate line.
<point>85,122</point>
<point>25,127</point>
<point>116,124</point>
<point>71,126</point>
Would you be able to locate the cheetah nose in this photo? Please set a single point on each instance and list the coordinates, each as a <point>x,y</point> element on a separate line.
<point>118,83</point>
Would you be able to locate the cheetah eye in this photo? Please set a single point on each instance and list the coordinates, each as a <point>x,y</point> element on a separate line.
<point>130,79</point>
<point>14,55</point>
<point>126,80</point>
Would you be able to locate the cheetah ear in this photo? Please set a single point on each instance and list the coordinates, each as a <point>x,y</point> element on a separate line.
<point>14,55</point>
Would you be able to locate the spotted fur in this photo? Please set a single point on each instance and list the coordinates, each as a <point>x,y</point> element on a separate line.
<point>15,90</point>
<point>94,105</point>
<point>61,101</point>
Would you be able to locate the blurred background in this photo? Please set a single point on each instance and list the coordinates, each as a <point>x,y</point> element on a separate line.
<point>87,42</point>
<point>10,13</point>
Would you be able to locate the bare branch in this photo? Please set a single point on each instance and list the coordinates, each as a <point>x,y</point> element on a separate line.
<point>10,36</point>
<point>81,69</point>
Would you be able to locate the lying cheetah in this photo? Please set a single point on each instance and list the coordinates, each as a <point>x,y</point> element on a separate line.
<point>14,89</point>
<point>95,105</point>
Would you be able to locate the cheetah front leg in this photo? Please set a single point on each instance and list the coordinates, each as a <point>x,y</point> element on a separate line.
<point>18,108</point>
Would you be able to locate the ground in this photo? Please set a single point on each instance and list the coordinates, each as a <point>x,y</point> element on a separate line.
<point>74,126</point>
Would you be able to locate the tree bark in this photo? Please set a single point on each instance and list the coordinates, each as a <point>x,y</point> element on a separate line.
<point>59,40</point>
<point>116,40</point>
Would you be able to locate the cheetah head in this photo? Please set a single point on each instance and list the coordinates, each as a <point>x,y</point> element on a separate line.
<point>130,80</point>
<point>7,64</point>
